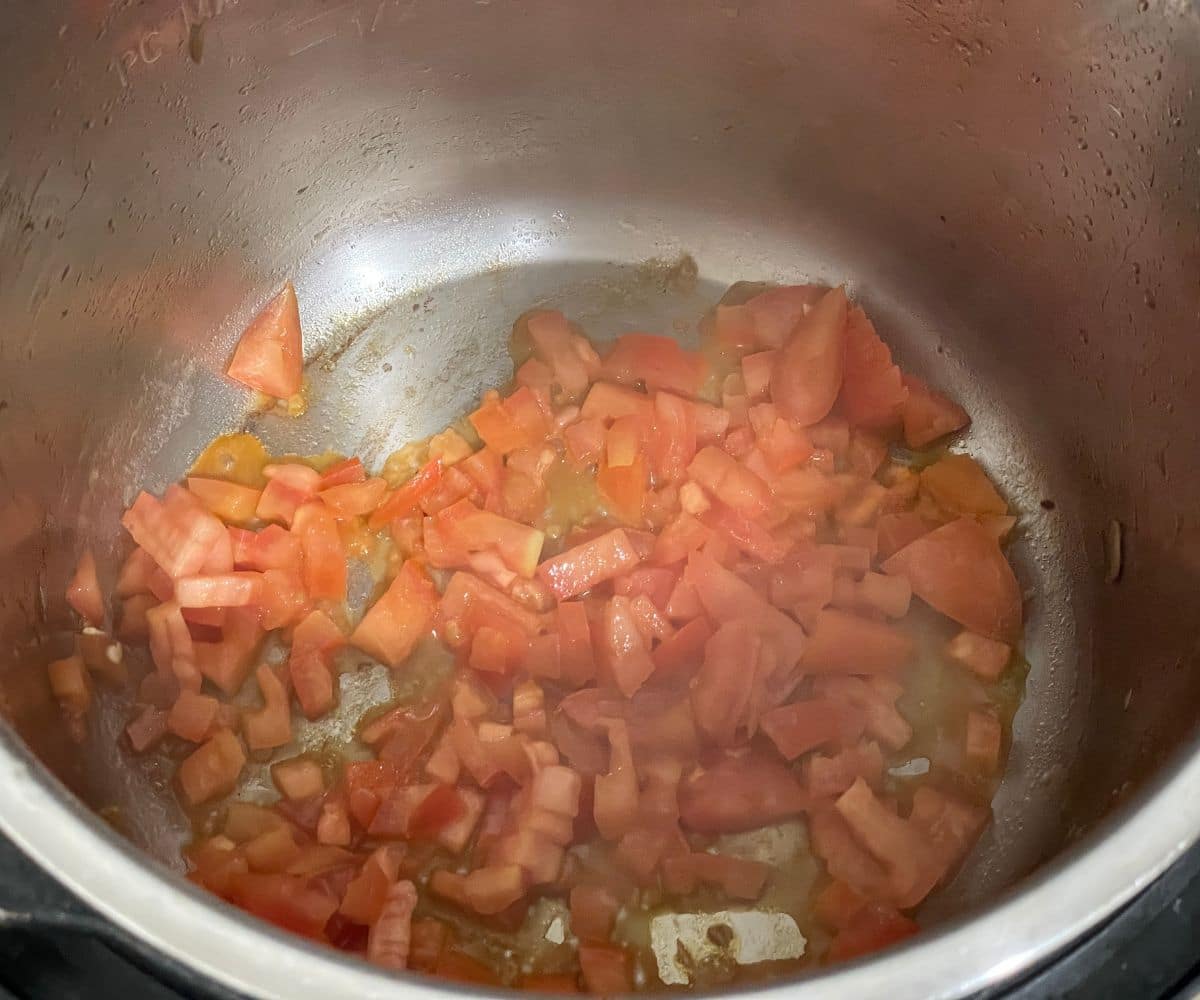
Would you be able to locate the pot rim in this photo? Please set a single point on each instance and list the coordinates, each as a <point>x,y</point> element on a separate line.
<point>1029,924</point>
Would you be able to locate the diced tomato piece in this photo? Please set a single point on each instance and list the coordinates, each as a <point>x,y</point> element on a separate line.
<point>508,424</point>
<point>406,500</point>
<point>950,825</point>
<point>135,573</point>
<point>838,904</point>
<point>984,657</point>
<point>314,640</point>
<point>177,533</point>
<point>681,536</point>
<point>213,768</point>
<point>146,729</point>
<point>576,660</point>
<point>284,900</point>
<point>607,969</point>
<point>673,443</point>
<point>876,698</point>
<point>449,447</point>
<point>289,485</point>
<point>748,536</point>
<point>739,793</point>
<point>684,602</point>
<point>731,483</point>
<point>401,617</point>
<point>298,778</point>
<point>593,912</point>
<point>454,836</point>
<point>623,442</point>
<point>842,643</point>
<point>471,602</point>
<point>171,644</point>
<point>283,599</point>
<point>231,502</point>
<point>756,374</point>
<point>828,777</point>
<point>272,548</point>
<point>228,590</point>
<point>682,653</point>
<point>581,568</point>
<point>227,663</point>
<point>898,530</point>
<point>456,966</point>
<point>805,725</point>
<point>455,485</point>
<point>606,401</point>
<point>960,571</point>
<point>726,597</point>
<point>324,554</point>
<point>875,593</point>
<point>546,982</point>
<point>585,440</point>
<point>354,499</point>
<point>928,415</point>
<point>873,393</point>
<point>657,362</point>
<point>572,359</point>
<point>875,927</point>
<point>83,591</point>
<point>271,725</point>
<point>834,843</point>
<point>470,529</point>
<point>625,651</point>
<point>983,739</point>
<point>485,469</point>
<point>722,689</point>
<point>624,487</point>
<point>494,888</point>
<point>808,370</point>
<point>654,583</point>
<point>615,795</point>
<point>270,353</point>
<point>739,878</point>
<point>192,716</point>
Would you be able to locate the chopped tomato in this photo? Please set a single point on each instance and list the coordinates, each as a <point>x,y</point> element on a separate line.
<point>469,529</point>
<point>873,392</point>
<point>984,657</point>
<point>324,554</point>
<point>606,969</point>
<point>83,592</point>
<point>739,793</point>
<point>805,725</point>
<point>673,444</point>
<point>722,690</point>
<point>314,640</point>
<point>213,768</point>
<point>508,424</point>
<point>624,487</point>
<point>960,571</point>
<point>829,776</point>
<point>146,729</point>
<point>844,643</point>
<point>271,725</point>
<point>288,486</point>
<point>228,590</point>
<point>982,742</point>
<point>287,901</point>
<point>354,499</point>
<point>177,532</point>
<point>406,500</point>
<point>270,354</point>
<point>606,401</point>
<point>730,482</point>
<point>897,530</point>
<point>593,912</point>
<point>298,778</point>
<point>625,651</point>
<point>583,567</point>
<point>615,795</point>
<point>398,619</point>
<point>572,360</point>
<point>171,644</point>
<point>227,663</point>
<point>807,374</point>
<point>928,415</point>
<point>585,440</point>
<point>272,548</point>
<point>657,363</point>
<point>192,716</point>
<point>874,927</point>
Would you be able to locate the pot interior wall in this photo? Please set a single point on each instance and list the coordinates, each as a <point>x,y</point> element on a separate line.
<point>1008,189</point>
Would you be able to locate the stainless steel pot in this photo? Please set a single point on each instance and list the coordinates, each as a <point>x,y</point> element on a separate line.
<point>1009,186</point>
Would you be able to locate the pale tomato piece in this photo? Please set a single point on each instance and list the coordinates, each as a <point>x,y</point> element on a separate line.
<point>270,354</point>
<point>808,371</point>
<point>400,618</point>
<point>83,591</point>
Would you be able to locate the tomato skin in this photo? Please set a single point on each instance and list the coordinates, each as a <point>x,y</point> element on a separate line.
<point>406,500</point>
<point>270,354</point>
<point>808,371</point>
<point>395,623</point>
<point>960,571</point>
